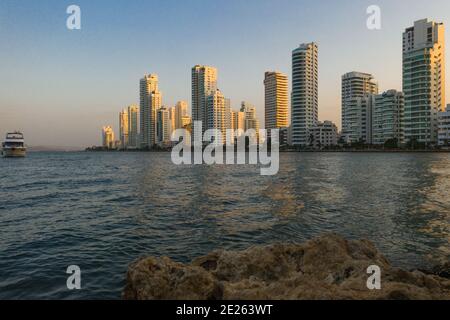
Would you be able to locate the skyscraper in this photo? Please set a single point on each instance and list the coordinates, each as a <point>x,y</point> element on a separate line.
<point>172,120</point>
<point>357,103</point>
<point>251,120</point>
<point>276,100</point>
<point>163,126</point>
<point>124,128</point>
<point>305,92</point>
<point>218,113</point>
<point>204,84</point>
<point>133,126</point>
<point>181,110</point>
<point>423,80</point>
<point>108,137</point>
<point>150,102</point>
<point>238,120</point>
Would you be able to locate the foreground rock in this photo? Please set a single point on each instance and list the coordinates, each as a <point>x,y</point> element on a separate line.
<point>328,267</point>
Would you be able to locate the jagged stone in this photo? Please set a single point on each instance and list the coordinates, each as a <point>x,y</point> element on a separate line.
<point>328,267</point>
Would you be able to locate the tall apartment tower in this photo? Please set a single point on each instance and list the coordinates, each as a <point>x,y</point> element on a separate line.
<point>305,92</point>
<point>133,126</point>
<point>276,100</point>
<point>163,126</point>
<point>108,137</point>
<point>218,113</point>
<point>124,128</point>
<point>151,101</point>
<point>181,110</point>
<point>238,120</point>
<point>423,80</point>
<point>251,119</point>
<point>204,84</point>
<point>358,90</point>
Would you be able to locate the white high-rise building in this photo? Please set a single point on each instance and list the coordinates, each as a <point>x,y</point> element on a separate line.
<point>251,119</point>
<point>388,117</point>
<point>108,137</point>
<point>172,119</point>
<point>276,100</point>
<point>163,126</point>
<point>151,101</point>
<point>218,113</point>
<point>124,128</point>
<point>358,90</point>
<point>444,128</point>
<point>238,120</point>
<point>133,127</point>
<point>204,84</point>
<point>181,110</point>
<point>305,92</point>
<point>423,80</point>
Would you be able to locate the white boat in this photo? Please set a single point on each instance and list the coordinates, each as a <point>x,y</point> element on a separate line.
<point>14,146</point>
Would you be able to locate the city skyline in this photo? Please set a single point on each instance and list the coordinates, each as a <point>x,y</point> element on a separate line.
<point>63,105</point>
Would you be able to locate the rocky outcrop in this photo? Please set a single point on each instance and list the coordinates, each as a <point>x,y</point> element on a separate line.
<point>328,267</point>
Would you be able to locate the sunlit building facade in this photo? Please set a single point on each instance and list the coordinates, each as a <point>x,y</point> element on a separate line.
<point>251,119</point>
<point>181,110</point>
<point>305,92</point>
<point>204,84</point>
<point>108,141</point>
<point>150,102</point>
<point>124,128</point>
<point>133,131</point>
<point>276,100</point>
<point>358,91</point>
<point>163,126</point>
<point>423,80</point>
<point>218,113</point>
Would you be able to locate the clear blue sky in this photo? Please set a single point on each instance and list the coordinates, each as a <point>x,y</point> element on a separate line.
<point>60,87</point>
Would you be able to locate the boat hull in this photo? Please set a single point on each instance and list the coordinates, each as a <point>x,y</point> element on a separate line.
<point>14,153</point>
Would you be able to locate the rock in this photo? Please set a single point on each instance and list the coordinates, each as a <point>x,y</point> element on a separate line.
<point>328,267</point>
<point>442,271</point>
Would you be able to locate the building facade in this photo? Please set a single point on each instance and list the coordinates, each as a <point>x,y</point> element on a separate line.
<point>181,110</point>
<point>218,113</point>
<point>444,128</point>
<point>133,131</point>
<point>324,134</point>
<point>124,128</point>
<point>251,119</point>
<point>423,80</point>
<point>305,92</point>
<point>388,115</point>
<point>108,141</point>
<point>163,127</point>
<point>150,102</point>
<point>276,100</point>
<point>204,84</point>
<point>358,90</point>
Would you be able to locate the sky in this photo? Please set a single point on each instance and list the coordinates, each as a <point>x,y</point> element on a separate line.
<point>60,86</point>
